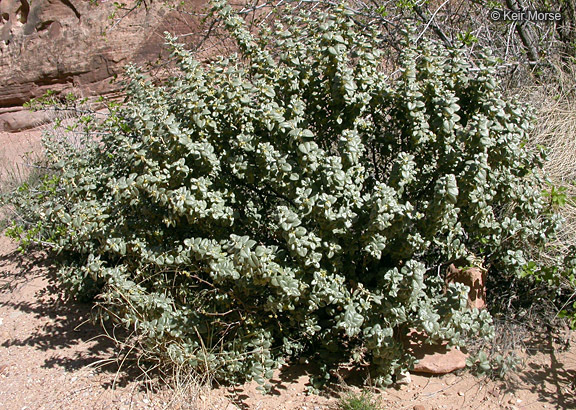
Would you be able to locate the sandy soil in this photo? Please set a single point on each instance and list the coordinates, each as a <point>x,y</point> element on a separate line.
<point>53,357</point>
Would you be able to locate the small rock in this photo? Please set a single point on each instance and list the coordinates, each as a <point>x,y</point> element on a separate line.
<point>438,359</point>
<point>404,378</point>
<point>435,358</point>
<point>231,406</point>
<point>450,380</point>
<point>419,407</point>
<point>460,393</point>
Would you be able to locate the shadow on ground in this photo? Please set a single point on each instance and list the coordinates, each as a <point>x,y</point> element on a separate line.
<point>64,329</point>
<point>17,268</point>
<point>554,382</point>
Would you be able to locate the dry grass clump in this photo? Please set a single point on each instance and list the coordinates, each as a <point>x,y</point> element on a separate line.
<point>19,154</point>
<point>556,130</point>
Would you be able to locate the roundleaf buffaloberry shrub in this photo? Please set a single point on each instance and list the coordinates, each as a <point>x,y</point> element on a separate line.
<point>294,200</point>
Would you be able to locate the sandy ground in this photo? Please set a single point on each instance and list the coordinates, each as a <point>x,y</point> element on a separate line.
<point>53,357</point>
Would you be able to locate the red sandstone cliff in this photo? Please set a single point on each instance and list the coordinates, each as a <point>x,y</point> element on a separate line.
<point>67,45</point>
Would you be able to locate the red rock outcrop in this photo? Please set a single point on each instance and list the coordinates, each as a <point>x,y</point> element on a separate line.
<point>438,358</point>
<point>66,45</point>
<point>475,279</point>
<point>435,358</point>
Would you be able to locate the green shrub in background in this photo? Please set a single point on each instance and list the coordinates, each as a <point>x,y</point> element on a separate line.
<point>296,201</point>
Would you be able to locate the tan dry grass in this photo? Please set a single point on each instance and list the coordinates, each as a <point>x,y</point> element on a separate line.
<point>556,130</point>
<point>18,152</point>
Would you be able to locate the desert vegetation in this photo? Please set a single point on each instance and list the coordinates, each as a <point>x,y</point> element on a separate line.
<point>302,196</point>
